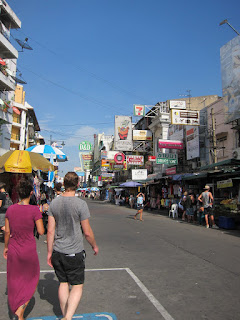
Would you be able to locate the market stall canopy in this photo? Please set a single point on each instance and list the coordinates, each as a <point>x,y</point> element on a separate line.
<point>22,161</point>
<point>131,184</point>
<point>47,150</point>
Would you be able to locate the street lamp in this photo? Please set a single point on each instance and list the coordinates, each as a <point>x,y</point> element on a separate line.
<point>225,21</point>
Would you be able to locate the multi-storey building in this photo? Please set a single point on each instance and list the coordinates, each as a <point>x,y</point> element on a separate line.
<point>8,61</point>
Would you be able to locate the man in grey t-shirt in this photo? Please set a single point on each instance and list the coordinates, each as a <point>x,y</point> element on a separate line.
<point>206,198</point>
<point>68,221</point>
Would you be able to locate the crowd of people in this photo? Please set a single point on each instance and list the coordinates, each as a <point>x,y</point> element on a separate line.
<point>68,221</point>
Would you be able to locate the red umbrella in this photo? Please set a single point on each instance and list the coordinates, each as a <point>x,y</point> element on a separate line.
<point>2,62</point>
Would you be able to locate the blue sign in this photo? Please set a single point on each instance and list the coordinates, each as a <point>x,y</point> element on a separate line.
<point>86,316</point>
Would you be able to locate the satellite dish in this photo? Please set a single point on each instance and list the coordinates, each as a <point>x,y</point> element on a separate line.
<point>24,44</point>
<point>18,80</point>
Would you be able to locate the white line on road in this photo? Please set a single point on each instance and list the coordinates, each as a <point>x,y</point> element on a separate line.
<point>148,294</point>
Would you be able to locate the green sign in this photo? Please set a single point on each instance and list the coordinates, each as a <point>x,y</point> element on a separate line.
<point>167,158</point>
<point>85,146</point>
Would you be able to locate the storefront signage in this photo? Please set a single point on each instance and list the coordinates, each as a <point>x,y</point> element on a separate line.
<point>171,171</point>
<point>185,117</point>
<point>192,142</point>
<point>135,160</point>
<point>142,135</point>
<point>104,154</point>
<point>107,176</point>
<point>105,163</point>
<point>119,158</point>
<point>139,110</point>
<point>224,184</point>
<point>152,158</point>
<point>180,104</point>
<point>87,157</point>
<point>85,146</point>
<point>139,174</point>
<point>170,144</point>
<point>167,158</point>
<point>117,167</point>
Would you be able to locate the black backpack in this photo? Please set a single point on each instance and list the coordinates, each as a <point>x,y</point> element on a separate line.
<point>8,201</point>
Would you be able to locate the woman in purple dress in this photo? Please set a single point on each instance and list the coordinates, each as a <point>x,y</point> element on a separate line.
<point>23,268</point>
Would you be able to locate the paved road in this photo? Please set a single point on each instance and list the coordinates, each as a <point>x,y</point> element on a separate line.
<point>156,269</point>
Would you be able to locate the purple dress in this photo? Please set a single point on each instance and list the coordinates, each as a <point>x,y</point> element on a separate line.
<point>22,260</point>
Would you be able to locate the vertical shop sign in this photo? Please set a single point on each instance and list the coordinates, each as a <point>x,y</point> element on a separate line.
<point>123,133</point>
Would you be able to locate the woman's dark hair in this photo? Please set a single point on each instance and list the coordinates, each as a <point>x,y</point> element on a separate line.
<point>24,188</point>
<point>58,186</point>
<point>71,181</point>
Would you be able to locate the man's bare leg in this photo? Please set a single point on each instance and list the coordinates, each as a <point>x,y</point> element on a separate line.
<point>73,301</point>
<point>63,295</point>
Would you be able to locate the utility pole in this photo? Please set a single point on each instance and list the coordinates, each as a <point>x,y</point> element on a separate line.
<point>214,137</point>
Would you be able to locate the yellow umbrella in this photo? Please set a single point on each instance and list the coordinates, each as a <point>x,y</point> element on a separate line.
<point>21,161</point>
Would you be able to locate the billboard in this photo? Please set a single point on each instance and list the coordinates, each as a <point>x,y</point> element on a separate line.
<point>142,135</point>
<point>123,133</point>
<point>192,142</point>
<point>185,117</point>
<point>230,70</point>
<point>139,174</point>
<point>135,160</point>
<point>174,104</point>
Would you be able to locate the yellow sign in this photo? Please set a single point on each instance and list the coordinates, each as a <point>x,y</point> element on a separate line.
<point>224,184</point>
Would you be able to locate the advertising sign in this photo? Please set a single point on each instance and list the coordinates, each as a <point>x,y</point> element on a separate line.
<point>170,171</point>
<point>119,158</point>
<point>139,110</point>
<point>113,166</point>
<point>170,144</point>
<point>174,104</point>
<point>123,133</point>
<point>105,163</point>
<point>107,176</point>
<point>152,158</point>
<point>135,160</point>
<point>142,135</point>
<point>185,117</point>
<point>104,154</point>
<point>167,158</point>
<point>230,69</point>
<point>87,157</point>
<point>192,142</point>
<point>175,132</point>
<point>85,146</point>
<point>139,174</point>
<point>224,184</point>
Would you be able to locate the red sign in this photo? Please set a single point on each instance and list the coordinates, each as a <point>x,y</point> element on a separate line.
<point>136,160</point>
<point>119,158</point>
<point>170,171</point>
<point>170,144</point>
<point>151,158</point>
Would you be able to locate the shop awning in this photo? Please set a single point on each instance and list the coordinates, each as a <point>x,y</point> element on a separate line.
<point>195,176</point>
<point>225,163</point>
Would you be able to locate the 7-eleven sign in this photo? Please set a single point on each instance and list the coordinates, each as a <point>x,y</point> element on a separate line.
<point>139,110</point>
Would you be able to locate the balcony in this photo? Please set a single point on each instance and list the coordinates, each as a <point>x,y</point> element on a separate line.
<point>7,49</point>
<point>5,83</point>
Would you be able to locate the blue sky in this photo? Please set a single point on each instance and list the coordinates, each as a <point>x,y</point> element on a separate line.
<point>93,59</point>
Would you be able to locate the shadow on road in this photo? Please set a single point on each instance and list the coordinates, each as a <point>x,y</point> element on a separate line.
<point>48,290</point>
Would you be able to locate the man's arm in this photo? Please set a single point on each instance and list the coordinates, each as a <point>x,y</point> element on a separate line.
<point>200,198</point>
<point>89,236</point>
<point>211,198</point>
<point>50,239</point>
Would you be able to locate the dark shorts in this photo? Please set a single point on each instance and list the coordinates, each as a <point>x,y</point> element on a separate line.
<point>208,211</point>
<point>139,206</point>
<point>69,268</point>
<point>189,212</point>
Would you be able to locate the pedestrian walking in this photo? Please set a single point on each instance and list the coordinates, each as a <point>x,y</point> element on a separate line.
<point>23,268</point>
<point>140,205</point>
<point>206,198</point>
<point>68,217</point>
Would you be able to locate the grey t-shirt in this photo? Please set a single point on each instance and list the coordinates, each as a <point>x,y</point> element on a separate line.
<point>206,199</point>
<point>68,212</point>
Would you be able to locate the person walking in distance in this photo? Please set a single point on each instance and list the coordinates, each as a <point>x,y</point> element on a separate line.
<point>140,200</point>
<point>206,198</point>
<point>68,221</point>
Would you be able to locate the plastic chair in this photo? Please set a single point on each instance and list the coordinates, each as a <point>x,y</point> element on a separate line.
<point>173,211</point>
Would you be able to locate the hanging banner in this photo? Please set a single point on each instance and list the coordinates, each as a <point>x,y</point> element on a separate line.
<point>192,142</point>
<point>123,133</point>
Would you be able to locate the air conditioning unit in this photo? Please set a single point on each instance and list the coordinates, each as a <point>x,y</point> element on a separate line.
<point>236,154</point>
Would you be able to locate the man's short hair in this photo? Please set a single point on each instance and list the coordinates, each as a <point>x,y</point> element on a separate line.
<point>71,181</point>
